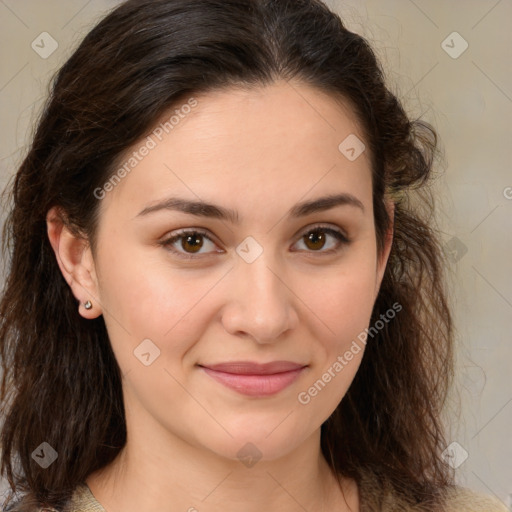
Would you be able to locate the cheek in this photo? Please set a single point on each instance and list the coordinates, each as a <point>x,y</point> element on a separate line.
<point>344,304</point>
<point>150,300</point>
<point>146,297</point>
<point>343,297</point>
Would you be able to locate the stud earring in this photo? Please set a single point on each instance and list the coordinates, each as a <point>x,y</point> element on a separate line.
<point>88,305</point>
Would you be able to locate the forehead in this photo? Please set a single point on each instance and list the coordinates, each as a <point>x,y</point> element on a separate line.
<point>246,148</point>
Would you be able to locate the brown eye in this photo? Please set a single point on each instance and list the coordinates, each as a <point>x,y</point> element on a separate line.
<point>192,242</point>
<point>316,239</point>
<point>187,243</point>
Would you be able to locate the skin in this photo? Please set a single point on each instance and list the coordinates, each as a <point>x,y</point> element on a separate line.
<point>259,152</point>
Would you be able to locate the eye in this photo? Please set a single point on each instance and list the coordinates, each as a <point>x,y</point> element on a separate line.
<point>315,238</point>
<point>191,241</point>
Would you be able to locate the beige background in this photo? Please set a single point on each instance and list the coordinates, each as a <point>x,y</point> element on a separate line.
<point>469,101</point>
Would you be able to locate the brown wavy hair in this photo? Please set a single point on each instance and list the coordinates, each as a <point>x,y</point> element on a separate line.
<point>61,383</point>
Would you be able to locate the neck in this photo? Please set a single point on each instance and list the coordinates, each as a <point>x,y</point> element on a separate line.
<point>161,473</point>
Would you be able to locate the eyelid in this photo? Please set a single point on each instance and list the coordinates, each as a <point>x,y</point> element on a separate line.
<point>168,241</point>
<point>326,227</point>
<point>343,239</point>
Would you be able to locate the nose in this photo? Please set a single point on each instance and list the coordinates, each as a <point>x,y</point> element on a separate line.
<point>261,303</point>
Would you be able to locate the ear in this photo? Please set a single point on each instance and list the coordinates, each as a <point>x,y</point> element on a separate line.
<point>75,261</point>
<point>382,259</point>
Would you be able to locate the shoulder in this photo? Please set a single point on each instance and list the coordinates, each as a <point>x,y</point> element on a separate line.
<point>378,494</point>
<point>82,500</point>
<point>461,499</point>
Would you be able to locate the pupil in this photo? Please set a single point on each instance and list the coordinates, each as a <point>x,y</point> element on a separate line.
<point>316,237</point>
<point>191,239</point>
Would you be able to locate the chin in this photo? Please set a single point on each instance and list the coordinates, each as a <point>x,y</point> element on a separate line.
<point>254,444</point>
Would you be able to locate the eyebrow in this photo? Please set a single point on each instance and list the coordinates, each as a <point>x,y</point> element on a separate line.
<point>203,209</point>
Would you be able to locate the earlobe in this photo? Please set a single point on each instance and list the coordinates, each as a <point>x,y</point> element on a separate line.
<point>75,261</point>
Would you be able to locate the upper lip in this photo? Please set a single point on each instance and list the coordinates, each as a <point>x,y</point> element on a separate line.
<point>251,368</point>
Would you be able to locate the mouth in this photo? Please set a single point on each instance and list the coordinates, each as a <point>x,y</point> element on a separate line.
<point>254,379</point>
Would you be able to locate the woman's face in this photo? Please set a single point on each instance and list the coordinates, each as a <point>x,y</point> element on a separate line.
<point>261,286</point>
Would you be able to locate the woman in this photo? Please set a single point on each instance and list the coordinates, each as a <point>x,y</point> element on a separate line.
<point>220,295</point>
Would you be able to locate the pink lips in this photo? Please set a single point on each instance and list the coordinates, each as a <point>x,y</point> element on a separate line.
<point>255,379</point>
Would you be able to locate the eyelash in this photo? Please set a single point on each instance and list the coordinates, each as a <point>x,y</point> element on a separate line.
<point>342,239</point>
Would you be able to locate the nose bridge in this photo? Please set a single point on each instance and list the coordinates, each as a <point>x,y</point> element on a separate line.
<point>264,308</point>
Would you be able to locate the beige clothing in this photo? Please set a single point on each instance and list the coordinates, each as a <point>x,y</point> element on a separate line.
<point>460,499</point>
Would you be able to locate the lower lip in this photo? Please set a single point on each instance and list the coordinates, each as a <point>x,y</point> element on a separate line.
<point>255,385</point>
